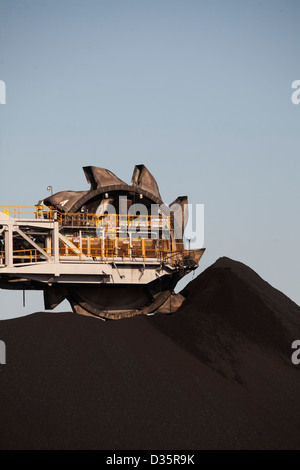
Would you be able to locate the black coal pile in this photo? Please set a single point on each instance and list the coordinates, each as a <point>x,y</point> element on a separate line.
<point>215,375</point>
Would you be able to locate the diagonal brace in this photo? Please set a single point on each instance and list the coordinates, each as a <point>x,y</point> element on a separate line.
<point>72,246</point>
<point>35,245</point>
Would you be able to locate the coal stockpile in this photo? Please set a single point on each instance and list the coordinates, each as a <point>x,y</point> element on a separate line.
<point>217,374</point>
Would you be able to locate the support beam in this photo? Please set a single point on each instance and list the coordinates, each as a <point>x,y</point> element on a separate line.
<point>8,244</point>
<point>55,242</point>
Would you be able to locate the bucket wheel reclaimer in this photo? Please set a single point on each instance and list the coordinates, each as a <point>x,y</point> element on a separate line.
<point>119,250</point>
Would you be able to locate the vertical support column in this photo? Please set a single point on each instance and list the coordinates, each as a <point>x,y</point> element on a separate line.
<point>130,246</point>
<point>80,245</point>
<point>88,247</point>
<point>103,244</point>
<point>55,242</point>
<point>49,245</point>
<point>8,246</point>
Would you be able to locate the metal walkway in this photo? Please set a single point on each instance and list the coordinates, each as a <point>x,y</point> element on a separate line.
<point>35,243</point>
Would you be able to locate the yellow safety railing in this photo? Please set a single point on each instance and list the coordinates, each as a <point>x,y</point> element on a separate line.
<point>181,258</point>
<point>112,249</point>
<point>122,248</point>
<point>31,256</point>
<point>112,222</point>
<point>109,222</point>
<point>115,247</point>
<point>28,212</point>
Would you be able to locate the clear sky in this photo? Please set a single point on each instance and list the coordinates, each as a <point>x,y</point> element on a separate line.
<point>198,91</point>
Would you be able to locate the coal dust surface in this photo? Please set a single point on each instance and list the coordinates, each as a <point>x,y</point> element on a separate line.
<point>217,374</point>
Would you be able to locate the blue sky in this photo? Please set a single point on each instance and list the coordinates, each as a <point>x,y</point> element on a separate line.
<point>198,91</point>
